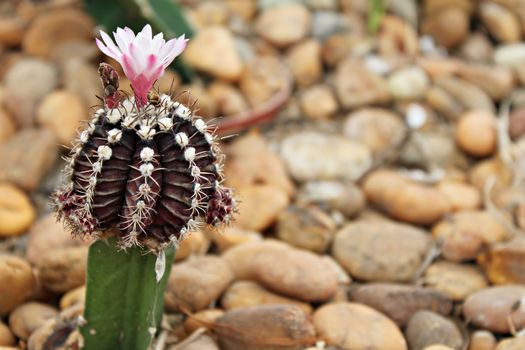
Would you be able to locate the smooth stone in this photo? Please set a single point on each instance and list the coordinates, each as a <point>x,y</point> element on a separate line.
<point>342,158</point>
<point>304,60</point>
<point>427,328</point>
<point>503,262</point>
<point>17,281</point>
<point>408,83</point>
<point>380,250</point>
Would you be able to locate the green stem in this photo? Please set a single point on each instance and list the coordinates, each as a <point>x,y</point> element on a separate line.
<point>124,302</point>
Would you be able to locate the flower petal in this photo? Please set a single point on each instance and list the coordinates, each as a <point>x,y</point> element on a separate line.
<point>107,51</point>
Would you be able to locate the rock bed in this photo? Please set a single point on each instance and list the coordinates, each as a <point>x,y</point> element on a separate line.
<point>382,209</point>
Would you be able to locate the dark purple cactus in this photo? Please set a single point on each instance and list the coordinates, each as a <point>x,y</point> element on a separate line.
<point>153,173</point>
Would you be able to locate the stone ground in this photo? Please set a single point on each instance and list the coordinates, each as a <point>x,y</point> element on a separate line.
<point>382,207</point>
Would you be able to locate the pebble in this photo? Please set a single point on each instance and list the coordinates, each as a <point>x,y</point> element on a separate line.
<point>195,243</point>
<point>449,27</point>
<point>490,168</point>
<point>232,236</point>
<point>285,270</point>
<point>460,195</point>
<point>195,283</point>
<point>284,24</point>
<point>318,102</point>
<point>259,206</point>
<point>62,270</point>
<point>306,228</point>
<point>482,340</point>
<point>265,327</point>
<point>47,234</point>
<point>16,211</point>
<point>7,125</point>
<point>399,301</point>
<point>355,326</point>
<point>53,28</point>
<point>326,23</point>
<point>404,199</point>
<point>263,78</point>
<point>356,86</point>
<point>501,23</point>
<point>228,98</point>
<point>73,297</point>
<point>493,307</point>
<point>213,51</point>
<point>468,95</point>
<point>427,328</point>
<point>82,79</point>
<point>477,48</point>
<point>511,344</point>
<point>516,123</point>
<point>202,342</point>
<point>199,319</point>
<point>408,83</point>
<point>396,38</point>
<point>380,250</point>
<point>503,262</point>
<point>335,48</point>
<point>342,158</point>
<point>344,197</point>
<point>511,56</point>
<point>304,60</point>
<point>27,81</point>
<point>247,293</point>
<point>210,13</point>
<point>27,156</point>
<point>496,81</point>
<point>251,161</point>
<point>464,233</point>
<point>476,133</point>
<point>244,9</point>
<point>457,281</point>
<point>6,336</point>
<point>16,282</point>
<point>381,130</point>
<point>11,30</point>
<point>28,317</point>
<point>61,112</point>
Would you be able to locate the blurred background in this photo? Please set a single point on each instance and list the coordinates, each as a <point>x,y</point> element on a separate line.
<point>376,149</point>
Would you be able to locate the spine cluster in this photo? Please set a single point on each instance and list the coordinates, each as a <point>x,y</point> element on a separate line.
<point>153,173</point>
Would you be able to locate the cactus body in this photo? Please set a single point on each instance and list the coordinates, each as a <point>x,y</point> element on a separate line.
<point>153,173</point>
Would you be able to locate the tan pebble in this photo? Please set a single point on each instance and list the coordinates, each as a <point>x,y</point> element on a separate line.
<point>482,340</point>
<point>61,270</point>
<point>246,293</point>
<point>205,318</point>
<point>444,331</point>
<point>492,308</point>
<point>438,347</point>
<point>503,262</point>
<point>380,250</point>
<point>263,78</point>
<point>468,95</point>
<point>496,81</point>
<point>244,9</point>
<point>11,30</point>
<point>194,243</point>
<point>81,78</point>
<point>201,342</point>
<point>457,281</point>
<point>284,24</point>
<point>381,130</point>
<point>400,302</point>
<point>7,125</point>
<point>48,234</point>
<point>335,48</point>
<point>258,327</point>
<point>228,98</point>
<point>16,282</point>
<point>517,343</point>
<point>259,206</point>
<point>318,102</point>
<point>357,326</point>
<point>196,283</point>
<point>408,83</point>
<point>306,228</point>
<point>6,336</point>
<point>461,196</point>
<point>213,51</point>
<point>55,27</point>
<point>304,60</point>
<point>493,169</point>
<point>232,236</point>
<point>61,112</point>
<point>16,211</point>
<point>464,233</point>
<point>501,23</point>
<point>73,297</point>
<point>477,48</point>
<point>28,317</point>
<point>396,38</point>
<point>448,27</point>
<point>476,133</point>
<point>211,13</point>
<point>405,199</point>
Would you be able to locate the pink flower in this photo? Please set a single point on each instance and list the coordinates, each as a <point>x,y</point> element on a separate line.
<point>143,57</point>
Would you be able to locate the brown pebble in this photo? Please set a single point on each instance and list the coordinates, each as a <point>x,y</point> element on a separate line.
<point>205,318</point>
<point>73,297</point>
<point>6,336</point>
<point>28,317</point>
<point>16,211</point>
<point>64,269</point>
<point>476,133</point>
<point>16,282</point>
<point>482,340</point>
<point>427,328</point>
<point>503,262</point>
